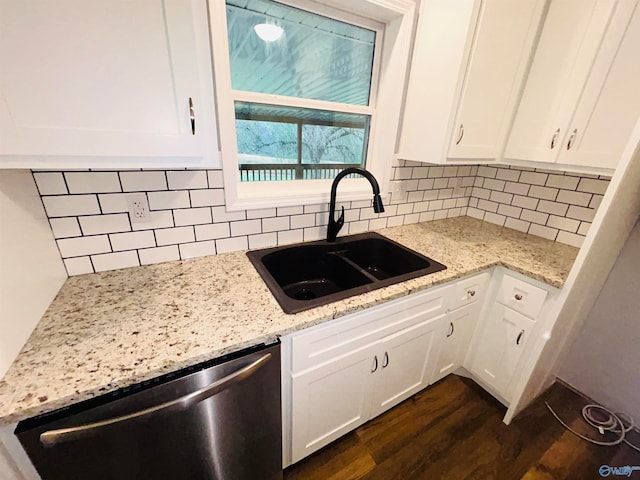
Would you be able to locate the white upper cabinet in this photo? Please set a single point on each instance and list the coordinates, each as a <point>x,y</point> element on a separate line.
<point>105,84</point>
<point>468,66</point>
<point>581,99</point>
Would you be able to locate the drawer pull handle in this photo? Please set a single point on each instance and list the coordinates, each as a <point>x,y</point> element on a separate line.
<point>518,297</point>
<point>519,337</point>
<point>554,138</point>
<point>385,360</point>
<point>461,134</point>
<point>572,138</point>
<point>192,116</point>
<point>471,293</point>
<point>450,329</point>
<point>375,363</point>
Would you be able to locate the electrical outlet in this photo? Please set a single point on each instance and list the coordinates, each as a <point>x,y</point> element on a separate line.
<point>458,189</point>
<point>138,208</point>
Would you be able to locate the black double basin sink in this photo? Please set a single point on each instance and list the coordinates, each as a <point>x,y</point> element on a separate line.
<point>311,274</point>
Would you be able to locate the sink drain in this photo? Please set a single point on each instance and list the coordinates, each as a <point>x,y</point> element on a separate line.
<point>304,294</point>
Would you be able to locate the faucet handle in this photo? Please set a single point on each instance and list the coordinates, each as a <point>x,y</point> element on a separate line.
<point>340,221</point>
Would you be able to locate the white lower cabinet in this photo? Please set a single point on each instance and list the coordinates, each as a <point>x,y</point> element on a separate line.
<point>454,336</point>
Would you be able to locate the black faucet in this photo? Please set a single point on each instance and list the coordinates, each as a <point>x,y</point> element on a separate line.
<point>334,226</point>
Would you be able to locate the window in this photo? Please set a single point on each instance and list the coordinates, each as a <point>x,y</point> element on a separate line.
<point>298,89</point>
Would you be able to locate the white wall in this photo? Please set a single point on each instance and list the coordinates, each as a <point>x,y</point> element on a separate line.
<point>603,361</point>
<point>31,271</point>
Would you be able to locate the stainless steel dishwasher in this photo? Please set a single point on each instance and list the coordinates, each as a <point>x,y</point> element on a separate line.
<point>217,420</point>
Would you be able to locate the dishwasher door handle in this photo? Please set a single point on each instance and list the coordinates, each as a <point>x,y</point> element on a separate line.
<point>53,437</point>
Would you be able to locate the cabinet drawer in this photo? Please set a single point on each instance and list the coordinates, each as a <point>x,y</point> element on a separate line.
<point>521,296</point>
<point>469,290</point>
<point>327,342</point>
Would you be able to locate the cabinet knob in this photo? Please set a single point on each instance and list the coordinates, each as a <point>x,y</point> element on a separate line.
<point>554,138</point>
<point>375,364</point>
<point>385,360</point>
<point>460,134</point>
<point>519,337</point>
<point>571,138</point>
<point>471,293</point>
<point>450,329</point>
<point>517,296</point>
<point>192,116</point>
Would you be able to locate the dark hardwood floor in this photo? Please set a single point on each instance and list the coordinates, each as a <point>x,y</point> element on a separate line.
<point>454,430</point>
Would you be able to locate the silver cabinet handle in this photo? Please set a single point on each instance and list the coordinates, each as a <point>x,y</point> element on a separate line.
<point>517,296</point>
<point>385,360</point>
<point>192,116</point>
<point>572,138</point>
<point>375,363</point>
<point>461,134</point>
<point>450,329</point>
<point>471,293</point>
<point>53,437</point>
<point>554,138</point>
<point>519,337</point>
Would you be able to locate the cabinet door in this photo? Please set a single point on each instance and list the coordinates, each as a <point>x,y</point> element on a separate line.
<point>443,39</point>
<point>610,104</point>
<point>571,35</point>
<point>453,338</point>
<point>499,348</point>
<point>498,61</point>
<point>331,400</point>
<point>104,79</point>
<point>406,364</point>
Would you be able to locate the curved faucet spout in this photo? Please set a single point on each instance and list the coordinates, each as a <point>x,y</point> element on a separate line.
<point>334,225</point>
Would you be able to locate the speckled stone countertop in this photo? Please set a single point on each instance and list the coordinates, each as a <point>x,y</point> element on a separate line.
<point>107,330</point>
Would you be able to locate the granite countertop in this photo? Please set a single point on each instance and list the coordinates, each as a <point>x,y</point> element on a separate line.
<point>107,330</point>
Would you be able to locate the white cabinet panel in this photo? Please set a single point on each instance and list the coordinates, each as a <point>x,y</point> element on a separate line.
<point>104,79</point>
<point>521,296</point>
<point>503,339</point>
<point>329,401</point>
<point>406,361</point>
<point>453,339</point>
<point>498,62</point>
<point>470,290</point>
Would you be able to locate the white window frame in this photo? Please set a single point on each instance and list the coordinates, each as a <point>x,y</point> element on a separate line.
<point>396,19</point>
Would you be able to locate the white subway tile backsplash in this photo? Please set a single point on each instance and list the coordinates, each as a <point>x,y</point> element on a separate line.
<point>263,240</point>
<point>157,219</point>
<point>263,213</point>
<point>188,215</point>
<point>113,202</point>
<point>80,246</point>
<point>168,200</point>
<point>247,227</point>
<point>149,256</point>
<point>542,231</point>
<point>172,236</point>
<point>65,227</point>
<point>132,240</point>
<point>220,214</point>
<point>92,182</point>
<point>592,185</point>
<point>290,236</point>
<point>197,249</point>
<point>113,261</point>
<point>78,265</point>
<point>212,231</point>
<point>143,181</point>
<point>192,216</point>
<point>562,223</point>
<point>216,178</point>
<point>112,223</point>
<point>574,198</point>
<point>50,183</point>
<point>187,180</point>
<point>70,205</point>
<point>213,197</point>
<point>232,244</point>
